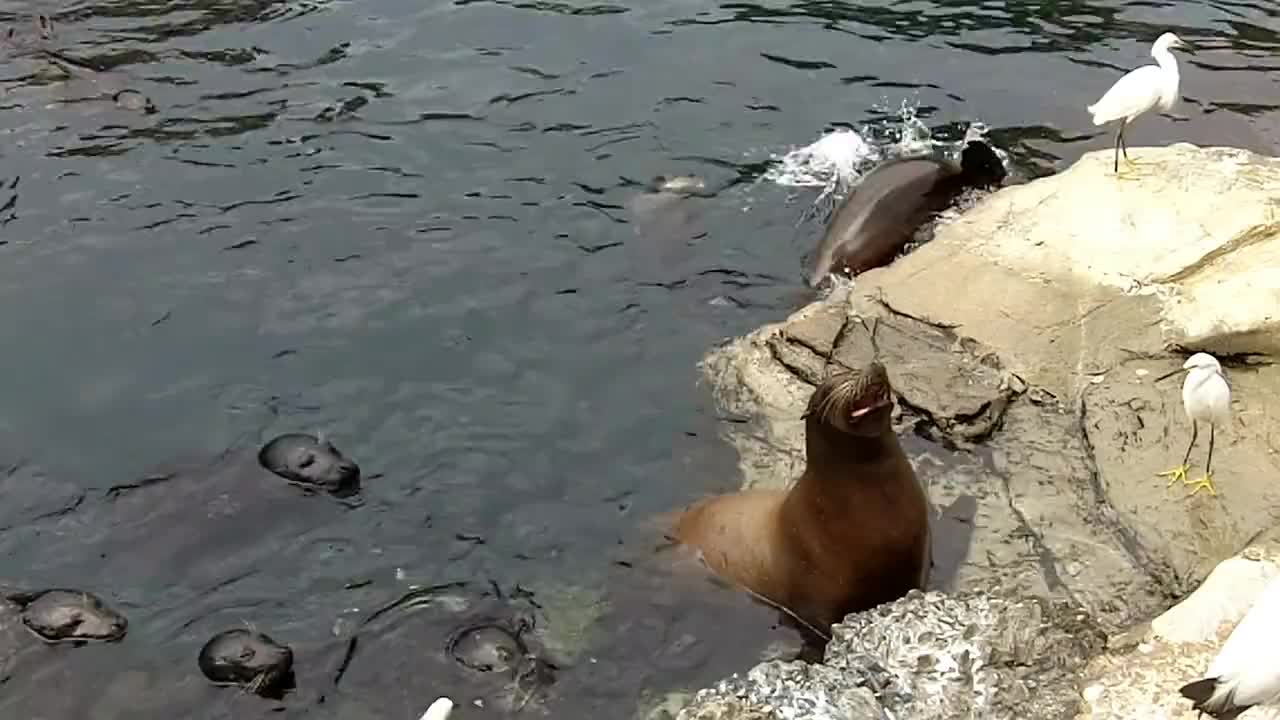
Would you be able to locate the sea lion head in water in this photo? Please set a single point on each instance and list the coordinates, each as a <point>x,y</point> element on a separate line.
<point>883,211</point>
<point>70,616</point>
<point>248,659</point>
<point>311,461</point>
<point>850,534</point>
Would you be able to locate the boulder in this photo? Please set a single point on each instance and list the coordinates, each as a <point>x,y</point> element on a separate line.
<point>997,655</point>
<point>1024,342</point>
<point>1140,674</point>
<point>1077,271</point>
<point>924,657</point>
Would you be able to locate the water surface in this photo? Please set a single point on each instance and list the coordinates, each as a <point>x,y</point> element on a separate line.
<point>407,224</point>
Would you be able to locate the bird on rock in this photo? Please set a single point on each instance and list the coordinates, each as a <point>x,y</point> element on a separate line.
<point>1246,671</point>
<point>1140,90</point>
<point>1205,398</point>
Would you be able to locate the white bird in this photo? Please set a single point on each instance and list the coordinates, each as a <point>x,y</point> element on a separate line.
<point>1206,397</point>
<point>1140,90</point>
<point>1246,671</point>
<point>441,709</point>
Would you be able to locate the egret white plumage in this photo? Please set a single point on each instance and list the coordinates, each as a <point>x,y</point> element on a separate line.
<point>441,709</point>
<point>1206,397</point>
<point>1246,671</point>
<point>1140,90</point>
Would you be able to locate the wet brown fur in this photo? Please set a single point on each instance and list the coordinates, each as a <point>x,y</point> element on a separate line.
<point>851,533</point>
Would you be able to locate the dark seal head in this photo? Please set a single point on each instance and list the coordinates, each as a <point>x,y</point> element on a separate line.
<point>487,647</point>
<point>850,534</point>
<point>248,659</point>
<point>884,210</point>
<point>70,616</point>
<point>497,647</point>
<point>980,166</point>
<point>312,462</point>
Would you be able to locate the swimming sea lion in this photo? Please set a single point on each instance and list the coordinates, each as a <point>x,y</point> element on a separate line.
<point>70,616</point>
<point>498,647</point>
<point>487,647</point>
<point>311,461</point>
<point>883,211</point>
<point>247,659</point>
<point>853,531</point>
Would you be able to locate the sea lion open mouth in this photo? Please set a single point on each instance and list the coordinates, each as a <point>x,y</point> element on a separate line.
<point>883,400</point>
<point>852,396</point>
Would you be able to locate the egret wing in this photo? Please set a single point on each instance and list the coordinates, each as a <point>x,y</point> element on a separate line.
<point>1133,94</point>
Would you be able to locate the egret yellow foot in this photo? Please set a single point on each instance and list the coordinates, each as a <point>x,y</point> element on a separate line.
<point>1176,474</point>
<point>1205,483</point>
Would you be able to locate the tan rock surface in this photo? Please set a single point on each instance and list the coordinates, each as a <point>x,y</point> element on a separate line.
<point>1023,342</point>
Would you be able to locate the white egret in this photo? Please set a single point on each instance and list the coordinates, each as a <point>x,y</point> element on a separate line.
<point>1205,398</point>
<point>1140,90</point>
<point>441,709</point>
<point>1246,671</point>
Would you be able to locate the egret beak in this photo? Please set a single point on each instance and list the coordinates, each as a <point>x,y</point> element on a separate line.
<point>1170,374</point>
<point>1180,43</point>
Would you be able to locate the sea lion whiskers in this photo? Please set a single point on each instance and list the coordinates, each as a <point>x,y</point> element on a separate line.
<point>863,391</point>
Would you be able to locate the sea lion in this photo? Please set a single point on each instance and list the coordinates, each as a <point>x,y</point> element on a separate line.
<point>886,207</point>
<point>312,462</point>
<point>247,659</point>
<point>499,647</point>
<point>853,531</point>
<point>487,647</point>
<point>69,616</point>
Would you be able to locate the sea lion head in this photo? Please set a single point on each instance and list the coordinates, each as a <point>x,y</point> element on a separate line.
<point>73,616</point>
<point>854,401</point>
<point>312,461</point>
<point>980,165</point>
<point>134,100</point>
<point>249,659</point>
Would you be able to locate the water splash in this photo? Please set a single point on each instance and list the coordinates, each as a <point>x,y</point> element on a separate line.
<point>838,159</point>
<point>835,158</point>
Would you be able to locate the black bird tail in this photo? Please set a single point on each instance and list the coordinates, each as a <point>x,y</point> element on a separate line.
<point>1200,691</point>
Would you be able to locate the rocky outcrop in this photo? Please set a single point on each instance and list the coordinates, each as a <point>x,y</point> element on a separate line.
<point>924,657</point>
<point>1023,343</point>
<point>995,655</point>
<point>1140,674</point>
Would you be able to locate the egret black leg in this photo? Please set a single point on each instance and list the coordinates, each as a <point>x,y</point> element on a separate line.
<point>1124,147</point>
<point>1194,431</point>
<point>1115,166</point>
<point>1208,464</point>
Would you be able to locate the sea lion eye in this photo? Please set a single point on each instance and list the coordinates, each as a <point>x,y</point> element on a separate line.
<point>307,461</point>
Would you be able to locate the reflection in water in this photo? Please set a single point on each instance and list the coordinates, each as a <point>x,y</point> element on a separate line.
<point>424,228</point>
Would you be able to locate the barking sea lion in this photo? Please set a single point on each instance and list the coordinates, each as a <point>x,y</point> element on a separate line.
<point>853,531</point>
